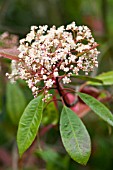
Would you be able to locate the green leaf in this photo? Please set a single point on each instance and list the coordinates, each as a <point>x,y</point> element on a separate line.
<point>48,155</point>
<point>74,136</point>
<point>99,108</point>
<point>29,124</point>
<point>15,102</point>
<point>54,161</point>
<point>87,78</point>
<point>50,114</point>
<point>106,78</point>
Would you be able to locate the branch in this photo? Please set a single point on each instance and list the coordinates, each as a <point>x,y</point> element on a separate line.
<point>10,53</point>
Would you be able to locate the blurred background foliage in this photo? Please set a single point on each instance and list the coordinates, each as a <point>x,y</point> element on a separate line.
<point>16,17</point>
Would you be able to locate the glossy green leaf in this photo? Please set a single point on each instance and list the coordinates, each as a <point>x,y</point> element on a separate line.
<point>99,108</point>
<point>87,78</point>
<point>74,136</point>
<point>106,78</point>
<point>15,102</point>
<point>29,124</point>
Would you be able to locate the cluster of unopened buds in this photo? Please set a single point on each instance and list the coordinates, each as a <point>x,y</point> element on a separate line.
<point>48,56</point>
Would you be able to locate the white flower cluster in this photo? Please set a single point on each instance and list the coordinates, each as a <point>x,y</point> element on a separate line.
<point>56,52</point>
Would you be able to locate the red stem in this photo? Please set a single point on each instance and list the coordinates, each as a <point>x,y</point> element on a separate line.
<point>9,56</point>
<point>46,129</point>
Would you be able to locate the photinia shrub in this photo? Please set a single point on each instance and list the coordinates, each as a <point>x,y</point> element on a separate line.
<point>50,60</point>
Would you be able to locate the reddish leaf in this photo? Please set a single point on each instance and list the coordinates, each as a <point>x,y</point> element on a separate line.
<point>80,108</point>
<point>8,40</point>
<point>95,23</point>
<point>11,53</point>
<point>91,91</point>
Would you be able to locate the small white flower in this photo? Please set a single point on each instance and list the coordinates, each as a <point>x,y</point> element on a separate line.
<point>30,36</point>
<point>79,38</point>
<point>96,64</point>
<point>34,66</point>
<point>80,28</point>
<point>66,80</point>
<point>47,96</point>
<point>22,41</point>
<point>71,26</point>
<point>62,67</point>
<point>42,71</point>
<point>86,73</point>
<point>44,77</point>
<point>34,89</point>
<point>55,74</point>
<point>71,66</point>
<point>7,74</point>
<point>66,69</point>
<point>36,80</point>
<point>69,74</point>
<point>49,83</point>
<point>33,28</point>
<point>72,58</point>
<point>30,83</point>
<point>22,48</point>
<point>21,55</point>
<point>76,70</point>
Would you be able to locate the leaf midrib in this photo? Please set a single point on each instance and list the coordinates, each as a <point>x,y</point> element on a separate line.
<point>30,126</point>
<point>74,134</point>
